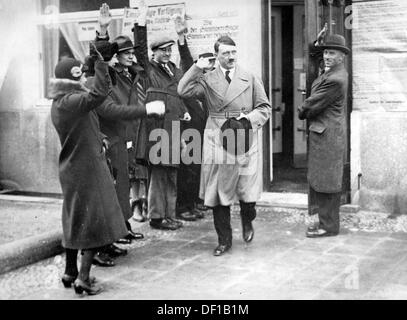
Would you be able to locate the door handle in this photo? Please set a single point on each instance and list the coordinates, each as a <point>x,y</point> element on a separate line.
<point>277,128</point>
<point>303,92</point>
<point>301,129</point>
<point>278,109</point>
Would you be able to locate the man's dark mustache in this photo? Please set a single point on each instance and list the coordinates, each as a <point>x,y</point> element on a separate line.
<point>231,60</point>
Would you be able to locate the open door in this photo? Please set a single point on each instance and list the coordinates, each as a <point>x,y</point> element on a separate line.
<point>276,81</point>
<point>299,88</point>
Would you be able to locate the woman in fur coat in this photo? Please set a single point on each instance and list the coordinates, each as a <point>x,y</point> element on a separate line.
<point>91,214</point>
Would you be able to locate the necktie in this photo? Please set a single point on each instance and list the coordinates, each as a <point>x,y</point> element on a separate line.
<point>141,93</point>
<point>168,70</point>
<point>227,76</point>
<point>127,73</point>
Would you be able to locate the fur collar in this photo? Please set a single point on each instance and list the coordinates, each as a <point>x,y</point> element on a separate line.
<point>60,87</point>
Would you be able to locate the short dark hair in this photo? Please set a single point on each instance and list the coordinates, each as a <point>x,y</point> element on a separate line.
<point>223,40</point>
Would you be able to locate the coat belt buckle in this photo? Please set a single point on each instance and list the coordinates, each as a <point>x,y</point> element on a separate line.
<point>228,114</point>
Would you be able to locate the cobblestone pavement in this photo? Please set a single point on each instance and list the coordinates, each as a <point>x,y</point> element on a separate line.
<point>281,263</point>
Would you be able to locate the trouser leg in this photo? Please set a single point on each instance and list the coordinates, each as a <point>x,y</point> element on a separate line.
<point>247,211</point>
<point>171,192</point>
<point>328,210</point>
<point>221,219</point>
<point>312,201</point>
<point>156,193</point>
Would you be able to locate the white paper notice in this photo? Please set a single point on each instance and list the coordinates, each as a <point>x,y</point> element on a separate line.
<point>380,56</point>
<point>87,30</point>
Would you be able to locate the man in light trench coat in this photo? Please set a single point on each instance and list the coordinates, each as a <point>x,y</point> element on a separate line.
<point>230,93</point>
<point>325,111</point>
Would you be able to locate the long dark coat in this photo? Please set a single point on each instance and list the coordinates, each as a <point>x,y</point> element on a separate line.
<point>325,110</point>
<point>91,214</point>
<point>119,117</point>
<point>189,174</point>
<point>162,86</point>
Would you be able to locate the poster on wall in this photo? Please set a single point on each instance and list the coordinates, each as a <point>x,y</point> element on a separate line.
<point>202,31</point>
<point>160,20</point>
<point>87,30</point>
<point>379,44</point>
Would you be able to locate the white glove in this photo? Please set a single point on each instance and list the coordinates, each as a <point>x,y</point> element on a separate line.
<point>205,63</point>
<point>187,117</point>
<point>156,107</point>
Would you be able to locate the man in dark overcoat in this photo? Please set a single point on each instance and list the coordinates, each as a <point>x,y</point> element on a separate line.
<point>120,116</point>
<point>325,111</point>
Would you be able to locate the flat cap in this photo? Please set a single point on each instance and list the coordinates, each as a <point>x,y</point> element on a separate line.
<point>161,41</point>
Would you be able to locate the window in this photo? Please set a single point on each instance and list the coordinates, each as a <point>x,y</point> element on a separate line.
<point>59,28</point>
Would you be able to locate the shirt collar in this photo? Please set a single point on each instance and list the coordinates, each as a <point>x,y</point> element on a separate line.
<point>232,71</point>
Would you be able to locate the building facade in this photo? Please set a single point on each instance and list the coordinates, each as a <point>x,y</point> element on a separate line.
<point>274,40</point>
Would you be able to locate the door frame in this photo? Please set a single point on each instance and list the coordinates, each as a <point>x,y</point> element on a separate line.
<point>312,23</point>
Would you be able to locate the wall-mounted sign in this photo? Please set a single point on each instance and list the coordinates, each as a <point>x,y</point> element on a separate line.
<point>380,55</point>
<point>87,30</point>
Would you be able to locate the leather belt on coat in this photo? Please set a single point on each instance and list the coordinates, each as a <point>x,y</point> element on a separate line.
<point>225,114</point>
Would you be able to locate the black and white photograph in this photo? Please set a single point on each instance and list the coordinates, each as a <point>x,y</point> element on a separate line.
<point>200,155</point>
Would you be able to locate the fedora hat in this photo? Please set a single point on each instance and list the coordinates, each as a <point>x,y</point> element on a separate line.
<point>123,43</point>
<point>161,42</point>
<point>337,42</point>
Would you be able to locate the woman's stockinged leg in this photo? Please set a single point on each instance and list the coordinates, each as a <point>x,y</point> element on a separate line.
<point>83,283</point>
<point>71,267</point>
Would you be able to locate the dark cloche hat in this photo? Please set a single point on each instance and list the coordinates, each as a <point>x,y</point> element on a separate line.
<point>68,68</point>
<point>124,43</point>
<point>162,41</point>
<point>337,42</point>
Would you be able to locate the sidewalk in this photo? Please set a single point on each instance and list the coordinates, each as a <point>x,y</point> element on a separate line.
<point>366,261</point>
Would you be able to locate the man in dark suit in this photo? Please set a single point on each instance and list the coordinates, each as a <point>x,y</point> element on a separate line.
<point>325,111</point>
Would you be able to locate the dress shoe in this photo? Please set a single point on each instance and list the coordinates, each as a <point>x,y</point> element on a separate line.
<point>248,232</point>
<point>101,259</point>
<point>90,288</point>
<point>201,207</point>
<point>114,251</point>
<point>313,228</point>
<point>198,213</point>
<point>221,249</point>
<point>319,233</point>
<point>186,216</point>
<point>123,241</point>
<point>134,236</point>
<point>68,280</point>
<point>136,209</point>
<point>163,225</point>
<point>176,222</point>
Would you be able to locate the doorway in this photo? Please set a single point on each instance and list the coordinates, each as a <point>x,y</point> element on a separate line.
<point>290,67</point>
<point>287,91</point>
